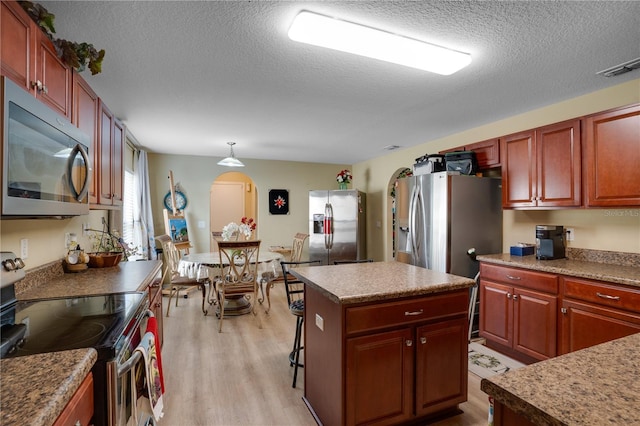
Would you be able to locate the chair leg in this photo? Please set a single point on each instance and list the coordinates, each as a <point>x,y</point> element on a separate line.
<point>203,287</point>
<point>220,315</point>
<point>171,291</point>
<point>254,310</point>
<point>294,357</point>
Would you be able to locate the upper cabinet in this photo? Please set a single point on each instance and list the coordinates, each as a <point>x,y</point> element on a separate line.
<point>612,157</point>
<point>109,166</point>
<point>487,153</point>
<point>85,116</point>
<point>29,59</point>
<point>541,168</point>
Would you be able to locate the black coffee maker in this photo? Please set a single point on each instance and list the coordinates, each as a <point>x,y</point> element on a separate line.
<point>549,242</point>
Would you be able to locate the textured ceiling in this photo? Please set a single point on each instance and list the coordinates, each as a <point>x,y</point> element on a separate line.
<point>186,77</point>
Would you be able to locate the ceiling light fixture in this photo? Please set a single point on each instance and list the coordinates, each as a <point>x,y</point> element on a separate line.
<point>324,31</point>
<point>231,160</point>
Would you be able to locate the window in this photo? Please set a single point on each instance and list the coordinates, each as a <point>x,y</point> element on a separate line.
<point>128,221</point>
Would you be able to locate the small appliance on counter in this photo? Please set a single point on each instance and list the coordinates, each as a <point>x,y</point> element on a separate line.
<point>549,242</point>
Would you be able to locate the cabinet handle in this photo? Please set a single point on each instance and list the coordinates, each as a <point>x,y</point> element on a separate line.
<point>423,340</point>
<point>158,304</point>
<point>515,297</point>
<point>408,314</point>
<point>511,277</point>
<point>606,296</point>
<point>508,295</point>
<point>564,310</point>
<point>77,423</point>
<point>409,342</point>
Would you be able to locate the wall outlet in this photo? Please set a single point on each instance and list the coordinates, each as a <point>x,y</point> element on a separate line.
<point>319,322</point>
<point>571,234</point>
<point>85,229</point>
<point>24,248</point>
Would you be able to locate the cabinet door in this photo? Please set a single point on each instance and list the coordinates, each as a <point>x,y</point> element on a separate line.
<point>585,325</point>
<point>155,305</point>
<point>487,153</point>
<point>496,314</point>
<point>104,161</point>
<point>518,170</point>
<point>441,365</point>
<point>534,323</point>
<point>379,378</point>
<point>117,152</point>
<point>558,162</point>
<point>612,145</point>
<point>85,116</point>
<point>18,36</point>
<point>55,77</point>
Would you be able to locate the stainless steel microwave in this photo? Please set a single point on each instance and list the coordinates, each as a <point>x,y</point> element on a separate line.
<point>45,161</point>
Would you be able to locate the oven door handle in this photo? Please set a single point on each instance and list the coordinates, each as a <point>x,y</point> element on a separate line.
<point>126,366</point>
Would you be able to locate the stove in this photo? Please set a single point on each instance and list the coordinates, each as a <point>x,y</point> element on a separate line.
<point>108,323</point>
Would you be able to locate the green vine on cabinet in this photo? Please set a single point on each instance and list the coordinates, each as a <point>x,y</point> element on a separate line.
<point>75,55</point>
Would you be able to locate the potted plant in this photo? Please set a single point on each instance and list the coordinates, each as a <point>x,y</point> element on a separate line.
<point>108,249</point>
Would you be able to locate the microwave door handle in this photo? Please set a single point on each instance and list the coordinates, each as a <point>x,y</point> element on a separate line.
<point>79,196</point>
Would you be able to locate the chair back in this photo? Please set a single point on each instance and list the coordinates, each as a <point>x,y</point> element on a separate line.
<point>293,286</point>
<point>171,255</point>
<point>239,262</point>
<point>298,245</point>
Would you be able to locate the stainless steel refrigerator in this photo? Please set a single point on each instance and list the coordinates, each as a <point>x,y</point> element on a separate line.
<point>440,216</point>
<point>337,225</point>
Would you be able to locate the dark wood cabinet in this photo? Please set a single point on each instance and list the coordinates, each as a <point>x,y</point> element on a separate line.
<point>30,60</point>
<point>542,168</point>
<point>79,409</point>
<point>155,305</point>
<point>612,156</point>
<point>487,152</point>
<point>84,115</point>
<point>110,165</point>
<point>518,311</point>
<point>385,362</point>
<point>594,312</point>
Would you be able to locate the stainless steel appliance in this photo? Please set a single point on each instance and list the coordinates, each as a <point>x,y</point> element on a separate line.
<point>45,162</point>
<point>337,228</point>
<point>440,216</point>
<point>549,242</point>
<point>108,323</point>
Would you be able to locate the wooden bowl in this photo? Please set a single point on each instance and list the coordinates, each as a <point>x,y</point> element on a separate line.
<point>104,260</point>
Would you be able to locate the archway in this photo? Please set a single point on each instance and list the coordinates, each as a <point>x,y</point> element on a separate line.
<point>232,196</point>
<point>401,173</point>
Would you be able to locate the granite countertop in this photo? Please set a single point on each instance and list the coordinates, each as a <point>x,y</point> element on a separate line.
<point>36,388</point>
<point>608,272</point>
<point>377,281</point>
<point>593,386</point>
<point>124,277</point>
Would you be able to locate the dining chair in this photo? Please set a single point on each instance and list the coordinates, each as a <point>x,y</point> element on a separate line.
<point>171,276</point>
<point>239,278</point>
<point>295,299</point>
<point>298,246</point>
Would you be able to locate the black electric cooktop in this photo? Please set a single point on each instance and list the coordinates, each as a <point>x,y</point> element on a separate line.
<point>50,325</point>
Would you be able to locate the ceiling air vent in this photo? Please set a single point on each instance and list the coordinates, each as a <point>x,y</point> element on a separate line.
<point>391,147</point>
<point>621,69</point>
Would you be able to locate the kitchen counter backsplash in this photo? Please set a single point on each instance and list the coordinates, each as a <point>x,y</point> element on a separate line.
<point>40,274</point>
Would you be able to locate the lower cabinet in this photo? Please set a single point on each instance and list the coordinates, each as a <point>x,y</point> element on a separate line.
<point>155,305</point>
<point>593,312</point>
<point>401,360</point>
<point>79,409</point>
<point>518,311</point>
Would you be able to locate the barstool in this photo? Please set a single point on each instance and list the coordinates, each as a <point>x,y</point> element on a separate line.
<point>295,290</point>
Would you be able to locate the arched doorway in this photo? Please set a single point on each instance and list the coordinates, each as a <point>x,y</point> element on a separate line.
<point>232,196</point>
<point>393,183</point>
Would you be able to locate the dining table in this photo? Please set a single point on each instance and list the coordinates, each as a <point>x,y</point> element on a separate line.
<point>206,266</point>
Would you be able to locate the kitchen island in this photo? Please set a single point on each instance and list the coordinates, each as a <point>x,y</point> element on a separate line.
<point>385,342</point>
<point>594,386</point>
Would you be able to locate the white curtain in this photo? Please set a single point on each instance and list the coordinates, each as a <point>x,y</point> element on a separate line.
<point>142,213</point>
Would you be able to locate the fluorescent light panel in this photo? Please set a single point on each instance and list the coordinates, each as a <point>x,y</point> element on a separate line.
<point>360,40</point>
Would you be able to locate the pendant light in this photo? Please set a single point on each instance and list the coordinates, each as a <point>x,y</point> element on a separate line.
<point>231,160</point>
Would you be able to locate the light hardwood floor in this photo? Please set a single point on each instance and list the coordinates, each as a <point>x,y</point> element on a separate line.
<point>242,375</point>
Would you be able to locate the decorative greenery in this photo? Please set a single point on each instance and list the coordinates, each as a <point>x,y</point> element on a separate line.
<point>105,242</point>
<point>233,230</point>
<point>403,174</point>
<point>76,55</point>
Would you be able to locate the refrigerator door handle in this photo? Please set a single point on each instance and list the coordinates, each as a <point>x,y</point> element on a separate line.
<point>328,226</point>
<point>413,207</point>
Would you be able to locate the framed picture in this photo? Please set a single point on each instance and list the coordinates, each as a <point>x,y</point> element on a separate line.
<point>176,227</point>
<point>279,201</point>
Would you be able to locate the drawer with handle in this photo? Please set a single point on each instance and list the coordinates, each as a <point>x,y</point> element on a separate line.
<point>390,314</point>
<point>603,294</point>
<point>540,281</point>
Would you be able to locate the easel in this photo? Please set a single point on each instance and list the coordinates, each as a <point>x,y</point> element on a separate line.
<point>170,219</point>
